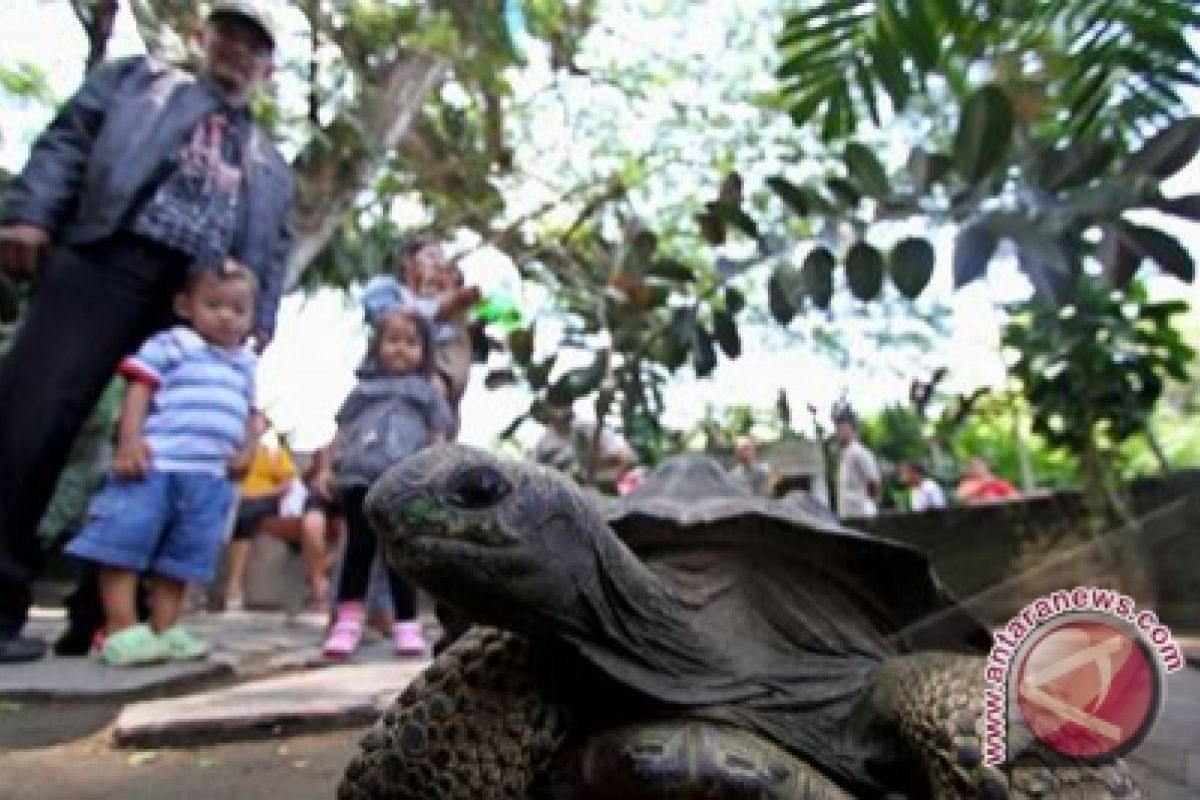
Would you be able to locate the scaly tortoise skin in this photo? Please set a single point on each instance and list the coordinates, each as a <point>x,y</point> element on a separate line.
<point>543,709</point>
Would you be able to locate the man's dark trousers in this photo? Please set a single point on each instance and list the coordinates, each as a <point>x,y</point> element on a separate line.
<point>93,306</point>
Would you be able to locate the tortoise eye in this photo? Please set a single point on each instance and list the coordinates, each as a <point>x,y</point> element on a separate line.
<point>477,488</point>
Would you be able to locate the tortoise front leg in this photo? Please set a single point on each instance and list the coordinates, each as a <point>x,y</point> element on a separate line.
<point>473,726</point>
<point>934,702</point>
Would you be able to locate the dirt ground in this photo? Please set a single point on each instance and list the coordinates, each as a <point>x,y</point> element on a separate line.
<point>53,751</point>
<point>299,768</point>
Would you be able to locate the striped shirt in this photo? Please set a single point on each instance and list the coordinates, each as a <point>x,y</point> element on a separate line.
<point>202,399</point>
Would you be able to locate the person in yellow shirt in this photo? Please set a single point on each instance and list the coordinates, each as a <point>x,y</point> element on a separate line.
<point>268,478</point>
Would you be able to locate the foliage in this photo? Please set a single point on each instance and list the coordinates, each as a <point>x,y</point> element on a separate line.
<point>896,434</point>
<point>994,431</point>
<point>1094,370</point>
<point>1022,132</point>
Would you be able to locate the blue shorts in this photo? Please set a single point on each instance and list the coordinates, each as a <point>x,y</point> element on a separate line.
<point>170,523</point>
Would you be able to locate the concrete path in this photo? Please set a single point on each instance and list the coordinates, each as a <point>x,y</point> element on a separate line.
<point>320,699</point>
<point>245,645</point>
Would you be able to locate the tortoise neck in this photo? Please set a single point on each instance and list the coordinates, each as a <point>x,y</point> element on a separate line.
<point>641,618</point>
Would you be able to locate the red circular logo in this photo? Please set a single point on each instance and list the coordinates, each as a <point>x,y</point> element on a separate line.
<point>1088,687</point>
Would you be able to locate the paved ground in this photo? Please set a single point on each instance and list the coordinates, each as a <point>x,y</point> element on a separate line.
<point>59,742</point>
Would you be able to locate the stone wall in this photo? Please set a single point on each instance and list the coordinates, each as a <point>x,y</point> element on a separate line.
<point>998,557</point>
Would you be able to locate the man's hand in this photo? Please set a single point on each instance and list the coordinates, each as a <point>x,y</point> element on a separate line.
<point>22,248</point>
<point>132,459</point>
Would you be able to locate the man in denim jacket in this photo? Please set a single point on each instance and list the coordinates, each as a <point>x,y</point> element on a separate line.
<point>145,174</point>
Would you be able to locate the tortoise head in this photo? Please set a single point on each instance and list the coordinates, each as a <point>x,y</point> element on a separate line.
<point>502,540</point>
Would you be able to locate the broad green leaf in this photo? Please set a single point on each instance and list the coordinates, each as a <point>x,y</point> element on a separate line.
<point>866,170</point>
<point>864,271</point>
<point>846,193</point>
<point>712,229</point>
<point>671,270</point>
<point>642,248</point>
<point>735,301</point>
<point>704,355</point>
<point>1187,207</point>
<point>1120,260</point>
<point>1168,151</point>
<point>583,381</point>
<point>816,277</point>
<point>984,133</point>
<point>498,378</point>
<point>928,168</point>
<point>791,194</point>
<point>733,215</point>
<point>1164,250</point>
<point>520,344</point>
<point>726,332</point>
<point>1074,165</point>
<point>911,265</point>
<point>973,249</point>
<point>777,302</point>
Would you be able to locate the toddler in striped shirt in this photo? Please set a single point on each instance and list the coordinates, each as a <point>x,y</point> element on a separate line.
<point>183,429</point>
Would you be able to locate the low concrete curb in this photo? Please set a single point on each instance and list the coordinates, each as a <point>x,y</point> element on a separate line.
<point>324,699</point>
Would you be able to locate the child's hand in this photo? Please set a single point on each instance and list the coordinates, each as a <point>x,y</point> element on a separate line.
<point>132,458</point>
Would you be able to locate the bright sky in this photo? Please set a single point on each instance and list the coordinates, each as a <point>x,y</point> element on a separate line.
<point>308,370</point>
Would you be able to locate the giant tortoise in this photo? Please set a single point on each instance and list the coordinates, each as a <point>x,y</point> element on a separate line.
<point>690,642</point>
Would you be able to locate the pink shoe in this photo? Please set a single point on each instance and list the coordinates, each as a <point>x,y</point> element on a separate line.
<point>346,632</point>
<point>409,639</point>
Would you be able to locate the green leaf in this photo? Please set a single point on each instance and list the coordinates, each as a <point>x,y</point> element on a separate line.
<point>498,378</point>
<point>712,229</point>
<point>733,215</point>
<point>735,301</point>
<point>778,303</point>
<point>845,192</point>
<point>984,133</point>
<point>520,344</point>
<point>583,381</point>
<point>890,69</point>
<point>1073,165</point>
<point>816,277</point>
<point>791,194</point>
<point>911,265</point>
<point>1120,260</point>
<point>973,249</point>
<point>642,248</point>
<point>726,332</point>
<point>864,271</point>
<point>866,170</point>
<point>1164,250</point>
<point>921,35</point>
<point>670,270</point>
<point>704,355</point>
<point>1168,151</point>
<point>928,168</point>
<point>1186,207</point>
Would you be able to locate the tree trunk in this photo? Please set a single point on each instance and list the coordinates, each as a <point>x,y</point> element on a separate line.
<point>328,186</point>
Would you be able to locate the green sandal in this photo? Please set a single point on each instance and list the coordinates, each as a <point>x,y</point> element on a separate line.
<point>183,646</point>
<point>134,646</point>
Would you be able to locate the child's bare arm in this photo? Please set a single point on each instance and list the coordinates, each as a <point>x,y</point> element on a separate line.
<point>132,458</point>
